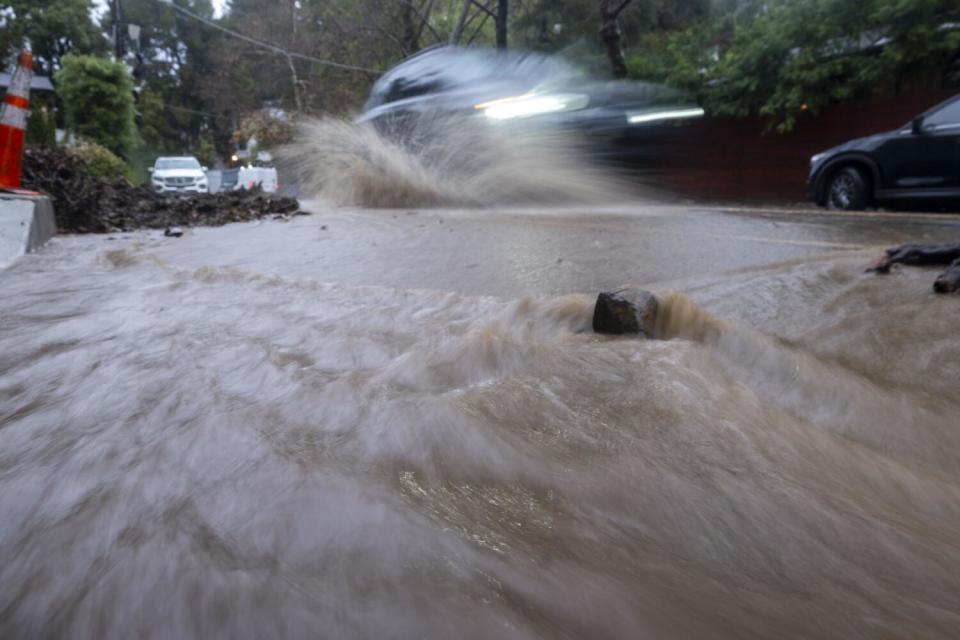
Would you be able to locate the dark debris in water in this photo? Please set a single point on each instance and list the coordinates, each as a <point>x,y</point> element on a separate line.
<point>926,255</point>
<point>85,204</point>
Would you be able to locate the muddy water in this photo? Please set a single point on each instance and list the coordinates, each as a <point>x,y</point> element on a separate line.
<point>203,440</point>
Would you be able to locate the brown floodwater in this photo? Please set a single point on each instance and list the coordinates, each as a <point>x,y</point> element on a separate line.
<point>292,430</point>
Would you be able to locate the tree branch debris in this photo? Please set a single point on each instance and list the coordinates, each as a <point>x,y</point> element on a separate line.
<point>84,204</point>
<point>925,255</point>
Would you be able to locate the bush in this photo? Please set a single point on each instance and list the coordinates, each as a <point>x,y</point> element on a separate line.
<point>97,97</point>
<point>140,161</point>
<point>100,162</point>
<point>41,126</point>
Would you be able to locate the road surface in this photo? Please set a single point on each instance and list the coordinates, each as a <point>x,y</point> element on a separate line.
<point>534,252</point>
<point>399,424</point>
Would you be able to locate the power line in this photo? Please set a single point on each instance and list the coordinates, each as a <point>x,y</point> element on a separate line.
<point>264,44</point>
<point>170,107</point>
<point>185,110</point>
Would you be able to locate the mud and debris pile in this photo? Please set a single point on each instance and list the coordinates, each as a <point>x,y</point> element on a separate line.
<point>85,204</point>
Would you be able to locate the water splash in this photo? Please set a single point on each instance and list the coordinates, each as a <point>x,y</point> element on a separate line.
<point>444,160</point>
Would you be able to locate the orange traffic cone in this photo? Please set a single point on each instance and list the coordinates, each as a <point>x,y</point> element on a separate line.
<point>13,122</point>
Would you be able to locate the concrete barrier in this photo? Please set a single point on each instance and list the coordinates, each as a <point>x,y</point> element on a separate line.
<point>26,223</point>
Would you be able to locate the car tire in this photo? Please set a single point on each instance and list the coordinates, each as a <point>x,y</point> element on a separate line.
<point>848,190</point>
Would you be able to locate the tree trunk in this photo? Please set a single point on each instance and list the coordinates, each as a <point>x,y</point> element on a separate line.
<point>461,23</point>
<point>116,18</point>
<point>611,35</point>
<point>410,40</point>
<point>502,24</point>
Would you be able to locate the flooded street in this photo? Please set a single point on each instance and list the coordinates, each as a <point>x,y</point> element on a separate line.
<point>398,424</point>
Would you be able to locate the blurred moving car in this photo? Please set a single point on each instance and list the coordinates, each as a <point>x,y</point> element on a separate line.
<point>519,86</point>
<point>182,174</point>
<point>920,160</point>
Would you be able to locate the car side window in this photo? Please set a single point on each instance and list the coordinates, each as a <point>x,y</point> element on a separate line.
<point>403,88</point>
<point>949,116</point>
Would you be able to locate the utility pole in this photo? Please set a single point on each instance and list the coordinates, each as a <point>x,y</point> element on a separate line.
<point>501,18</point>
<point>116,17</point>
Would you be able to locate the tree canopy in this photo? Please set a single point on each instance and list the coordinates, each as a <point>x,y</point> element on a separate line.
<point>97,97</point>
<point>50,29</point>
<point>783,57</point>
<point>198,77</point>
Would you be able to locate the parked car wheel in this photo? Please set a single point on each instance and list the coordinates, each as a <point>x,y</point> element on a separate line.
<point>848,190</point>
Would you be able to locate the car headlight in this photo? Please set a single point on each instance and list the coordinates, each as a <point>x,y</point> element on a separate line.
<point>641,117</point>
<point>531,104</point>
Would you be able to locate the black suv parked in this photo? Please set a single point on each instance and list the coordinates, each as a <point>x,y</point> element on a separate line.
<point>919,160</point>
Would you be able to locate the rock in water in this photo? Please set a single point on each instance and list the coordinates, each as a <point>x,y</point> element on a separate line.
<point>949,280</point>
<point>626,311</point>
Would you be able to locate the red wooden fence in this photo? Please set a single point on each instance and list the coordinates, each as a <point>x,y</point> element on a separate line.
<point>734,159</point>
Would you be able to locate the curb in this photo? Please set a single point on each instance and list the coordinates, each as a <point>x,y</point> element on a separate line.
<point>26,223</point>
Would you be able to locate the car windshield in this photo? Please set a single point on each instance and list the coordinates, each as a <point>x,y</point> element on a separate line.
<point>177,163</point>
<point>449,68</point>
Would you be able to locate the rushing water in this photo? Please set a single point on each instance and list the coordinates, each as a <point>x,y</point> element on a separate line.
<point>200,447</point>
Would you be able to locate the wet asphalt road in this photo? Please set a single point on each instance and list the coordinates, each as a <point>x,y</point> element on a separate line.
<point>510,253</point>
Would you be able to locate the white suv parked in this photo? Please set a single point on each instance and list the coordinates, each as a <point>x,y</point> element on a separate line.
<point>179,175</point>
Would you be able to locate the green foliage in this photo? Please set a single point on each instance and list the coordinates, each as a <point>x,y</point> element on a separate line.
<point>791,56</point>
<point>556,25</point>
<point>97,98</point>
<point>140,162</point>
<point>164,129</point>
<point>100,161</point>
<point>172,62</point>
<point>680,59</point>
<point>41,125</point>
<point>204,151</point>
<point>51,28</point>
